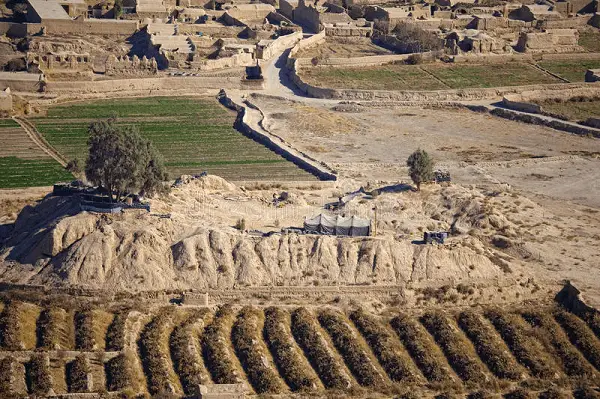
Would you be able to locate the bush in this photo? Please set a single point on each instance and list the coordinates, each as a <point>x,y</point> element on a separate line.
<point>422,349</point>
<point>416,40</point>
<point>216,348</point>
<point>154,353</point>
<point>554,337</point>
<point>352,351</point>
<point>118,372</point>
<point>84,330</point>
<point>7,366</point>
<point>414,59</point>
<point>457,349</point>
<point>115,334</point>
<point>293,367</point>
<point>554,393</point>
<point>306,331</point>
<point>580,336</point>
<point>489,347</point>
<point>74,166</point>
<point>519,393</point>
<point>240,224</point>
<point>185,351</point>
<point>528,351</point>
<point>391,355</point>
<point>16,65</point>
<point>10,327</point>
<point>77,374</point>
<point>49,328</point>
<point>38,376</point>
<point>252,353</point>
<point>586,393</point>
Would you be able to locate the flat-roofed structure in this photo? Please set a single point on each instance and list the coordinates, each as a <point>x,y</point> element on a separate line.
<point>41,10</point>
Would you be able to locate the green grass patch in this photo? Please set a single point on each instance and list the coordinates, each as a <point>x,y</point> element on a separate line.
<point>573,71</point>
<point>573,110</point>
<point>193,135</point>
<point>590,41</point>
<point>428,76</point>
<point>16,172</point>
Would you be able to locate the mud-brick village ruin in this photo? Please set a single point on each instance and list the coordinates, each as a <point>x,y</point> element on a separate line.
<point>300,199</point>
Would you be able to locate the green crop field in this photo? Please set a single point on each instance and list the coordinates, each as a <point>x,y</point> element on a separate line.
<point>428,76</point>
<point>573,71</point>
<point>573,110</point>
<point>590,41</point>
<point>193,134</point>
<point>23,163</point>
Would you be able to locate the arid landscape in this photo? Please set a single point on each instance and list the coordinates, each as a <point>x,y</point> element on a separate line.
<point>294,199</point>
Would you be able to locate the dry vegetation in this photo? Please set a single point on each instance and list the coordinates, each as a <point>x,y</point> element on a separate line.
<point>528,351</point>
<point>458,350</point>
<point>580,335</point>
<point>355,353</point>
<point>292,366</point>
<point>115,333</point>
<point>216,348</point>
<point>77,374</point>
<point>390,353</point>
<point>308,335</point>
<point>186,352</point>
<point>39,380</point>
<point>253,354</point>
<point>422,349</point>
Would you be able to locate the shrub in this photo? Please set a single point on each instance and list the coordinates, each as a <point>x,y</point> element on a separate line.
<point>216,347</point>
<point>185,351</point>
<point>416,40</point>
<point>528,351</point>
<point>580,336</point>
<point>293,367</point>
<point>391,355</point>
<point>49,327</point>
<point>118,372</point>
<point>154,352</point>
<point>306,331</point>
<point>554,337</point>
<point>355,354</point>
<point>554,393</point>
<point>84,330</point>
<point>115,334</point>
<point>10,327</point>
<point>519,393</point>
<point>74,166</point>
<point>457,349</point>
<point>7,366</point>
<point>240,224</point>
<point>586,393</point>
<point>414,59</point>
<point>490,348</point>
<point>77,374</point>
<point>252,353</point>
<point>38,376</point>
<point>422,349</point>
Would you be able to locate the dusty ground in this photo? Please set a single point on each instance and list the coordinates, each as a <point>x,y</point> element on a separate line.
<point>344,48</point>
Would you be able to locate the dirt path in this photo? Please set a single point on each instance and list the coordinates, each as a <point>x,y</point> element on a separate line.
<point>37,138</point>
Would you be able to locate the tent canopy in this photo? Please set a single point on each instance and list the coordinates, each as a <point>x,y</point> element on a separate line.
<point>337,225</point>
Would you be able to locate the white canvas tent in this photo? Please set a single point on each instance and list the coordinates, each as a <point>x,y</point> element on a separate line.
<point>337,225</point>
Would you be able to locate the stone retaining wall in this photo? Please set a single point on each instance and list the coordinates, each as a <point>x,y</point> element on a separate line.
<point>299,159</point>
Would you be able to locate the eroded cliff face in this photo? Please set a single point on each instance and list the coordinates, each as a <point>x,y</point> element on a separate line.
<point>52,244</point>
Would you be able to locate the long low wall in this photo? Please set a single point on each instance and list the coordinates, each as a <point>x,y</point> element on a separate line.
<point>153,84</point>
<point>302,161</point>
<point>311,41</point>
<point>280,44</point>
<point>372,60</point>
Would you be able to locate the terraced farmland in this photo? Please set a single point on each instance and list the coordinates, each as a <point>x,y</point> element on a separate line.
<point>533,352</point>
<point>23,163</point>
<point>193,134</point>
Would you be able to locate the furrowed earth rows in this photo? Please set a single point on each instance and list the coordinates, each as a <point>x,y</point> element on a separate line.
<point>528,351</point>
<point>12,378</point>
<point>116,331</point>
<point>550,333</point>
<point>425,353</point>
<point>78,374</point>
<point>154,352</point>
<point>217,350</point>
<point>55,329</point>
<point>253,354</point>
<point>354,352</point>
<point>39,379</point>
<point>18,326</point>
<point>458,350</point>
<point>322,357</point>
<point>186,352</point>
<point>581,336</point>
<point>489,346</point>
<point>293,366</point>
<point>389,351</point>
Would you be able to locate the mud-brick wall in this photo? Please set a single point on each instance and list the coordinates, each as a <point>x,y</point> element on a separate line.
<point>92,27</point>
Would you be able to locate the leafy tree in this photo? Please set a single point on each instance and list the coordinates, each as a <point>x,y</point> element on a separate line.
<point>416,40</point>
<point>420,167</point>
<point>74,166</point>
<point>118,8</point>
<point>121,161</point>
